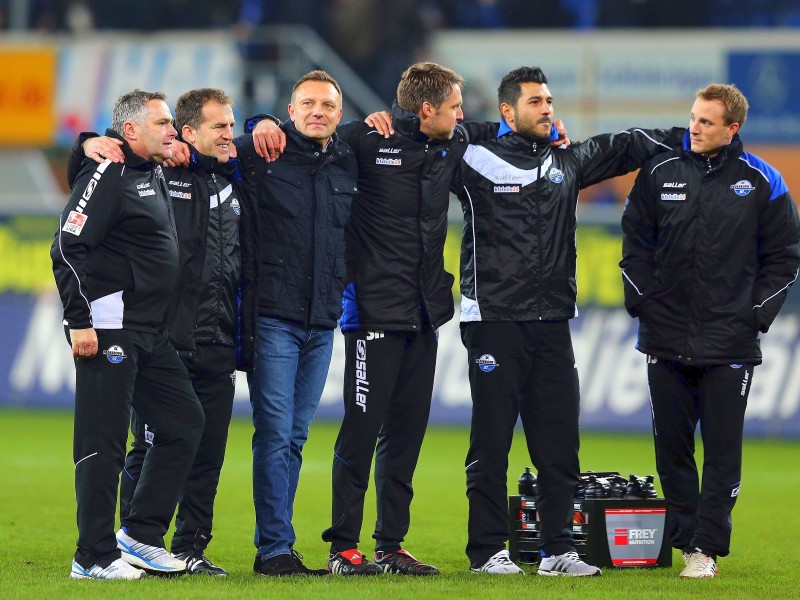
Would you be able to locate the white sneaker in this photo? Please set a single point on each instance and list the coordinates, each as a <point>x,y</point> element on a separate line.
<point>499,564</point>
<point>118,569</point>
<point>566,564</point>
<point>150,558</point>
<point>699,566</point>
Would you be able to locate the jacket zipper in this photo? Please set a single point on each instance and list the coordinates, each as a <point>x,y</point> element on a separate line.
<point>221,278</point>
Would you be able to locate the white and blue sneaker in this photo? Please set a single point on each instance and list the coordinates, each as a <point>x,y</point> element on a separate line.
<point>118,569</point>
<point>152,559</point>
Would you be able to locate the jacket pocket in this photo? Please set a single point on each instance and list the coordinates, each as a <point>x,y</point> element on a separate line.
<point>283,194</point>
<point>342,191</point>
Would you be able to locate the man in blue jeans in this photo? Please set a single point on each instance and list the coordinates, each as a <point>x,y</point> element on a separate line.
<point>303,204</point>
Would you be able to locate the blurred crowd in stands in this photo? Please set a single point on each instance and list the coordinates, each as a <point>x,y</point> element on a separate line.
<point>425,15</point>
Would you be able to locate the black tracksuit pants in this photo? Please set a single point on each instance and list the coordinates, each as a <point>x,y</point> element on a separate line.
<point>212,371</point>
<point>387,399</point>
<point>527,370</point>
<point>699,515</point>
<point>104,395</point>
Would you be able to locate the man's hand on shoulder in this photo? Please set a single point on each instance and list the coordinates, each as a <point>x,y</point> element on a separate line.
<point>269,140</point>
<point>382,123</point>
<point>104,148</point>
<point>180,155</point>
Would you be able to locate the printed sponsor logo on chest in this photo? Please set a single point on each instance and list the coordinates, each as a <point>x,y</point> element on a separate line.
<point>673,196</point>
<point>506,189</point>
<point>392,162</point>
<point>144,189</point>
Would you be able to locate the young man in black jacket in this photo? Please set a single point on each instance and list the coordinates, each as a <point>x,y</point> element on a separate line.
<point>214,223</point>
<point>518,292</point>
<point>398,295</point>
<point>115,260</point>
<point>303,204</point>
<point>711,245</point>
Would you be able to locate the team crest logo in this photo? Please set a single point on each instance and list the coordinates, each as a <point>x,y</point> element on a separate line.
<point>555,175</point>
<point>742,188</point>
<point>486,363</point>
<point>237,208</point>
<point>115,354</point>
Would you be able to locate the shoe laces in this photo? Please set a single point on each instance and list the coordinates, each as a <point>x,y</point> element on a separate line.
<point>503,559</point>
<point>701,561</point>
<point>571,556</point>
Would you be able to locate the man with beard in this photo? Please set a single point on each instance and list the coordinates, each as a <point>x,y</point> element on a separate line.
<point>518,293</point>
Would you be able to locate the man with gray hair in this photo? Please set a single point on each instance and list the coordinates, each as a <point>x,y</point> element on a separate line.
<point>115,261</point>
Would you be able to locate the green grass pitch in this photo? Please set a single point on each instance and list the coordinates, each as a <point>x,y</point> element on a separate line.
<point>37,524</point>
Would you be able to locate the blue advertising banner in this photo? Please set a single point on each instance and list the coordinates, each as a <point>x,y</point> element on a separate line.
<point>771,82</point>
<point>37,370</point>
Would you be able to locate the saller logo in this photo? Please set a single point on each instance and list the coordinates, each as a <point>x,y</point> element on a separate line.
<point>362,384</point>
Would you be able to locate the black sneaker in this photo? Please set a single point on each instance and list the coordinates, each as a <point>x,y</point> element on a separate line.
<point>285,565</point>
<point>403,563</point>
<point>351,562</point>
<point>197,563</point>
<point>298,561</point>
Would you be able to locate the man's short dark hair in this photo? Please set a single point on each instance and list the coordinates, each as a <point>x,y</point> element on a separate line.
<point>317,75</point>
<point>189,108</point>
<point>426,82</point>
<point>132,107</point>
<point>511,85</point>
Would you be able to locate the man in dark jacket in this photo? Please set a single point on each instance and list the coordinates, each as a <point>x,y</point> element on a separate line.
<point>711,245</point>
<point>398,295</point>
<point>115,260</point>
<point>214,223</point>
<point>303,204</point>
<point>518,292</point>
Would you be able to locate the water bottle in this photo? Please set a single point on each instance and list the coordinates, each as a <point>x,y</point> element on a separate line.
<point>527,483</point>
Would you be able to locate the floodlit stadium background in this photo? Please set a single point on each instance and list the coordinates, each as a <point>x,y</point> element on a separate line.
<point>611,63</point>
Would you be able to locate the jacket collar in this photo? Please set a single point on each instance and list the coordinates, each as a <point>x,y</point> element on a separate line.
<point>727,152</point>
<point>305,143</point>
<point>203,163</point>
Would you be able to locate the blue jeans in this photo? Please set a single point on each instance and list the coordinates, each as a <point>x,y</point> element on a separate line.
<point>285,388</point>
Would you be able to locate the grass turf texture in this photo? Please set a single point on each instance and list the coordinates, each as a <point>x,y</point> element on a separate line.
<point>37,524</point>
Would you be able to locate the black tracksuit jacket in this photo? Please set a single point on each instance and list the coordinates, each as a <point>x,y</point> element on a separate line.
<point>519,196</point>
<point>115,254</point>
<point>395,238</point>
<point>214,300</point>
<point>710,249</point>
